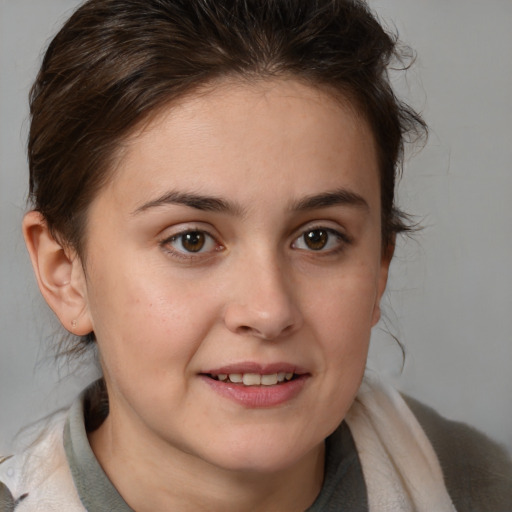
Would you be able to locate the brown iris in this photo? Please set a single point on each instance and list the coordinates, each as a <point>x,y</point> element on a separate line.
<point>316,239</point>
<point>193,241</point>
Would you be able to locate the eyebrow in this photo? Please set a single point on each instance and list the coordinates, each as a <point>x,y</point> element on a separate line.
<point>337,197</point>
<point>197,201</point>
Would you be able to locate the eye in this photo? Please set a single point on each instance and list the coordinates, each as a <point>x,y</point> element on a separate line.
<point>194,241</point>
<point>320,239</point>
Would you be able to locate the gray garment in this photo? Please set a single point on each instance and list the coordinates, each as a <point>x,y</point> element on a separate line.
<point>477,471</point>
<point>344,487</point>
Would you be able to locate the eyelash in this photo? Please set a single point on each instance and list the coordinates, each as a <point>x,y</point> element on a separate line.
<point>342,241</point>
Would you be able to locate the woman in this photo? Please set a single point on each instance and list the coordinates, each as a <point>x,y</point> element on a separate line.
<point>213,209</point>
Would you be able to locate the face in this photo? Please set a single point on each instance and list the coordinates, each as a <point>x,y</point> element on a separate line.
<point>234,272</point>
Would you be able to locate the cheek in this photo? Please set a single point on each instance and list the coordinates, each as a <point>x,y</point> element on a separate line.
<point>347,300</point>
<point>341,315</point>
<point>146,319</point>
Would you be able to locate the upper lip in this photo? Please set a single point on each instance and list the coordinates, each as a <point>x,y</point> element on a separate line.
<point>258,368</point>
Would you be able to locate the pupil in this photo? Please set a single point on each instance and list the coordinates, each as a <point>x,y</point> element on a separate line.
<point>316,239</point>
<point>193,241</point>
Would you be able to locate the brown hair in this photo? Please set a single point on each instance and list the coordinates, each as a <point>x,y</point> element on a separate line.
<point>115,62</point>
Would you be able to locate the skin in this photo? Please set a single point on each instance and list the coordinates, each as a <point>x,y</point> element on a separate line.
<point>255,292</point>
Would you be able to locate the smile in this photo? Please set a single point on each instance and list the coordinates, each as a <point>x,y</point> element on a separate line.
<point>254,379</point>
<point>256,385</point>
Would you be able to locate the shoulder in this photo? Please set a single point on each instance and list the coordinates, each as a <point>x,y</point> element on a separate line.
<point>477,471</point>
<point>37,477</point>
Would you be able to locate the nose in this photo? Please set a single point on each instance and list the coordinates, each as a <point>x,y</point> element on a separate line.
<point>263,303</point>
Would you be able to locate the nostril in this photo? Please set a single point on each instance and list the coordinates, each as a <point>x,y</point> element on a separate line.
<point>253,331</point>
<point>287,329</point>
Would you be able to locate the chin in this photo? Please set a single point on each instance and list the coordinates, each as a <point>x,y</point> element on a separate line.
<point>263,453</point>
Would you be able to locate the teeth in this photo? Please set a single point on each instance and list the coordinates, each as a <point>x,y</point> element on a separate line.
<point>269,380</point>
<point>255,379</point>
<point>251,379</point>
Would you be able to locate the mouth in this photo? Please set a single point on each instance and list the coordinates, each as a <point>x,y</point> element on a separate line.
<point>257,386</point>
<point>254,379</point>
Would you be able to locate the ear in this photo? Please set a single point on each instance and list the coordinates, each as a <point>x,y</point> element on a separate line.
<point>59,274</point>
<point>386,257</point>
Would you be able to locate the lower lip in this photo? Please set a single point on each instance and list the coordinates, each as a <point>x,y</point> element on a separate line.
<point>258,396</point>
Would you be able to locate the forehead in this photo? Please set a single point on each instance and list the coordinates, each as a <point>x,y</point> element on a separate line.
<point>233,136</point>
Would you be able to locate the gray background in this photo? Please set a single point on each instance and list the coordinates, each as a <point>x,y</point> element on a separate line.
<point>449,298</point>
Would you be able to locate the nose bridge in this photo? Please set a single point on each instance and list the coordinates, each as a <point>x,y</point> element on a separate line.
<point>262,301</point>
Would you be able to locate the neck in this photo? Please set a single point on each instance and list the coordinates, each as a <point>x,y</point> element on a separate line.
<point>152,475</point>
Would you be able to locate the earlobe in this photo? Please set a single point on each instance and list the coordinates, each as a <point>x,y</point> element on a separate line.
<point>59,274</point>
<point>387,256</point>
